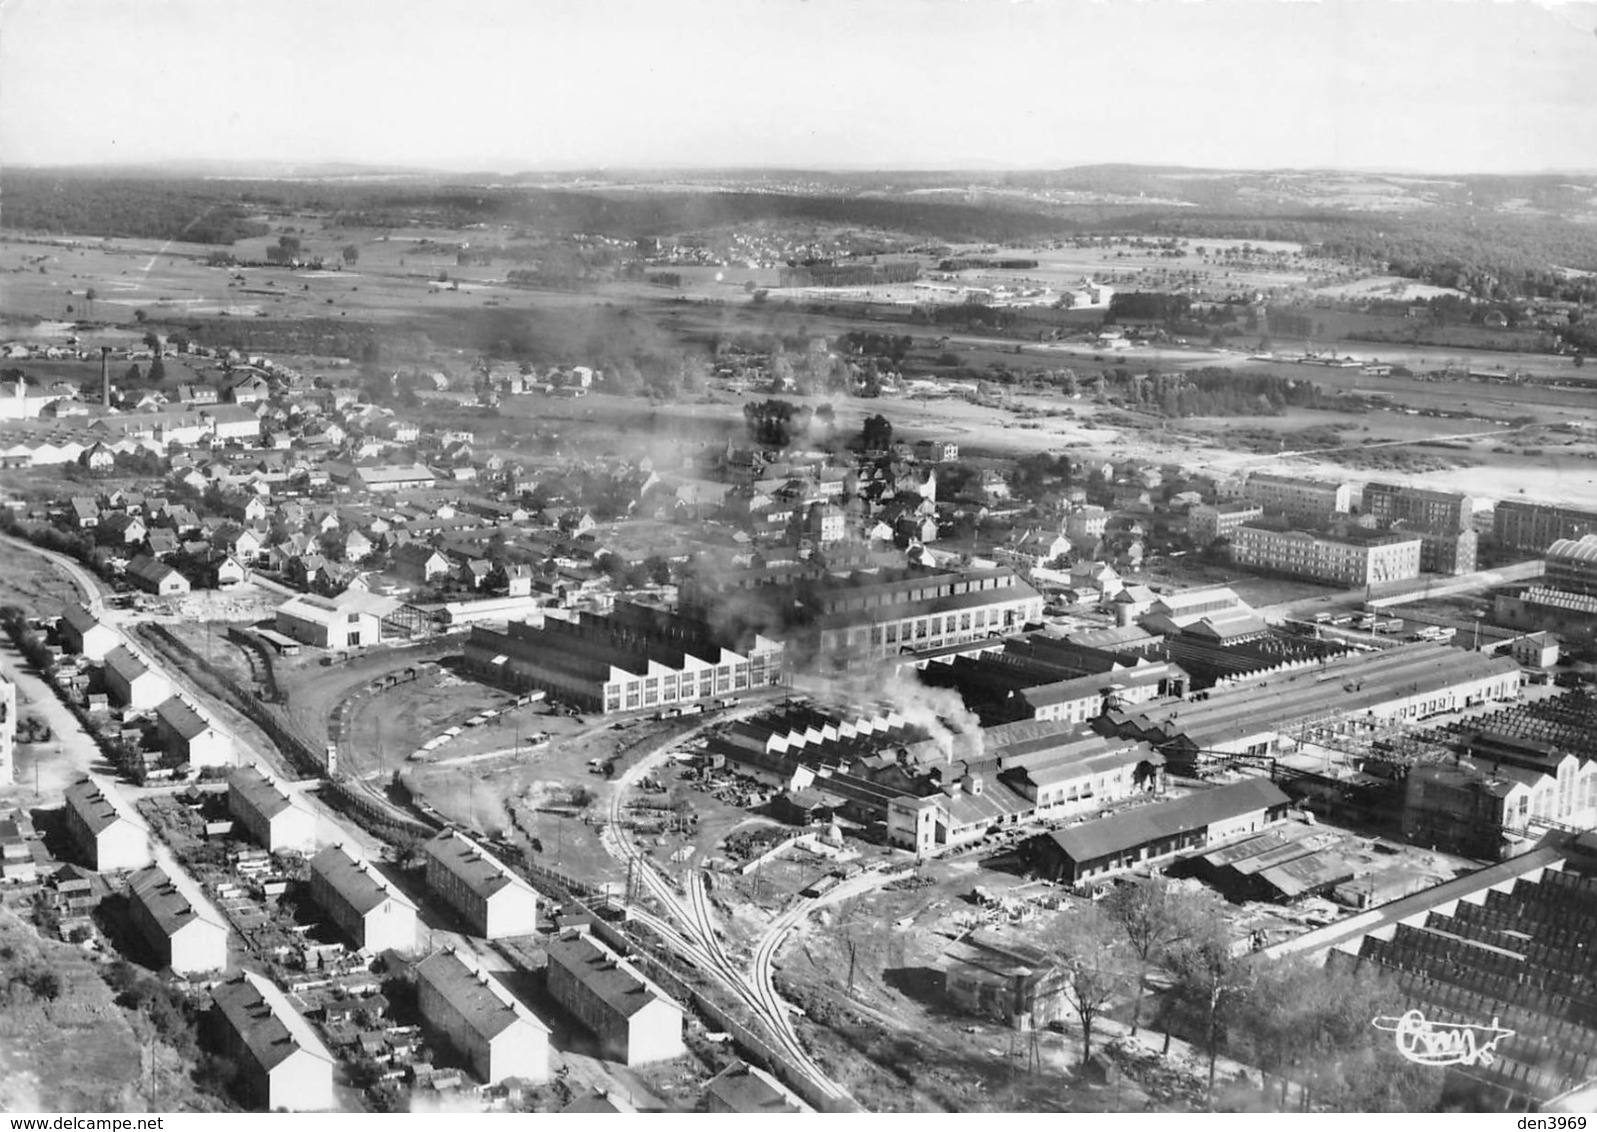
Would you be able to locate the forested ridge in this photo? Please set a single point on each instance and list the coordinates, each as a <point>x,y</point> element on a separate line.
<point>1489,254</point>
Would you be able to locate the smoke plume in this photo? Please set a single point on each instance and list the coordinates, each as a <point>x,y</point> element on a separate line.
<point>940,712</point>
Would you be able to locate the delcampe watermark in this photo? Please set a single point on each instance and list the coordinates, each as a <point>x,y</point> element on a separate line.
<point>1442,1043</point>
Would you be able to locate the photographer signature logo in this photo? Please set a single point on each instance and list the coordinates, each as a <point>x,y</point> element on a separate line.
<point>1442,1043</point>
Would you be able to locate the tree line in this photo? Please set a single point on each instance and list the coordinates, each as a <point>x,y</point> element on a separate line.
<point>125,206</point>
<point>1306,1029</point>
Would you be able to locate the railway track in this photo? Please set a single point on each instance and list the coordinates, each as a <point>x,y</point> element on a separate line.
<point>689,929</point>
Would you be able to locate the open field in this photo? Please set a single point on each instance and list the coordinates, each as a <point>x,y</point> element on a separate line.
<point>33,582</point>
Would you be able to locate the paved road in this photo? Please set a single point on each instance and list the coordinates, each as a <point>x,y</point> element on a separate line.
<point>71,751</point>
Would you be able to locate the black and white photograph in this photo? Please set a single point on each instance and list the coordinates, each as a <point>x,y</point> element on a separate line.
<point>797,556</point>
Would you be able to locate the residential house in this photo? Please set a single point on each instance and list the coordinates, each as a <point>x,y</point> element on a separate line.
<point>156,577</point>
<point>484,1022</point>
<point>132,683</point>
<point>742,1088</point>
<point>228,571</point>
<point>281,1063</point>
<point>111,836</point>
<point>277,820</point>
<point>177,922</point>
<point>82,632</point>
<point>493,900</point>
<point>365,905</point>
<point>633,1019</point>
<point>190,736</point>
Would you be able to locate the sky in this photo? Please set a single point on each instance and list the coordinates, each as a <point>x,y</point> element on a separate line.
<point>1433,86</point>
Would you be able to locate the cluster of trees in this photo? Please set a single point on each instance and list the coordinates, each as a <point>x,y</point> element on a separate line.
<point>89,205</point>
<point>1152,305</point>
<point>848,274</point>
<point>969,316</point>
<point>773,423</point>
<point>876,434</point>
<point>893,348</point>
<point>1039,472</point>
<point>78,545</point>
<point>1213,391</point>
<point>30,643</point>
<point>1298,1024</point>
<point>985,264</point>
<point>26,979</point>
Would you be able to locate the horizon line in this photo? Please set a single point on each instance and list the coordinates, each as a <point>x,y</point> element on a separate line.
<point>242,167</point>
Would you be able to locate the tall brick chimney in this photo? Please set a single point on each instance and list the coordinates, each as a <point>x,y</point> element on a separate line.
<point>105,376</point>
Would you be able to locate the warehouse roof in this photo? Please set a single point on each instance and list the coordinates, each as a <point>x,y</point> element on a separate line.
<point>1105,837</point>
<point>1352,683</point>
<point>1574,550</point>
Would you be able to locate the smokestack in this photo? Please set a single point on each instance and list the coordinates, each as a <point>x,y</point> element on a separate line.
<point>105,377</point>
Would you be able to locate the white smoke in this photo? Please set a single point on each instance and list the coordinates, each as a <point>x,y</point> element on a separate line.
<point>940,712</point>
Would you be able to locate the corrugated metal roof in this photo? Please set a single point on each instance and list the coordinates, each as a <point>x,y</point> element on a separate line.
<point>1108,836</point>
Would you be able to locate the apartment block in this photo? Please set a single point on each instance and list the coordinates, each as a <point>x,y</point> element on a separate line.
<point>1207,522</point>
<point>1348,560</point>
<point>1440,511</point>
<point>492,899</point>
<point>1311,502</point>
<point>1536,526</point>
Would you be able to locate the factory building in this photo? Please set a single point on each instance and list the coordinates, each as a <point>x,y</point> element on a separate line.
<point>1153,832</point>
<point>1501,942</point>
<point>631,659</point>
<point>1517,772</point>
<point>482,1020</point>
<point>274,818</point>
<point>494,901</point>
<point>1259,716</point>
<point>177,922</point>
<point>350,620</point>
<point>861,616</point>
<point>634,1020</point>
<point>1572,565</point>
<point>281,1062</point>
<point>364,904</point>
